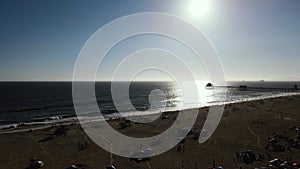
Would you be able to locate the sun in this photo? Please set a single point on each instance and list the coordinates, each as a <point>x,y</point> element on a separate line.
<point>199,8</point>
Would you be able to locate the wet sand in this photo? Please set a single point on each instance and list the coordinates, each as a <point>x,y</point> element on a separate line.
<point>243,126</point>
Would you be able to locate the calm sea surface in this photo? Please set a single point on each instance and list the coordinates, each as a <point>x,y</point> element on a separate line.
<point>42,102</point>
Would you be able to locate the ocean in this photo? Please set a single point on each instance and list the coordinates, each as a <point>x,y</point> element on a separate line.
<point>27,103</point>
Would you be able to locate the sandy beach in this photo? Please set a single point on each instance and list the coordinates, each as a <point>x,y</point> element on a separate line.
<point>245,126</point>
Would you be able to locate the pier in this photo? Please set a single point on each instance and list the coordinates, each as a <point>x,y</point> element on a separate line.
<point>270,89</point>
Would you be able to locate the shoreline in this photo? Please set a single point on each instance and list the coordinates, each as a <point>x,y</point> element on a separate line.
<point>25,127</point>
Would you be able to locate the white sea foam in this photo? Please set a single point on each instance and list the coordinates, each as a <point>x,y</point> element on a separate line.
<point>86,119</point>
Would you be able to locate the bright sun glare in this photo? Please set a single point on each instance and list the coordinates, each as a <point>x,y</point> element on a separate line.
<point>198,8</point>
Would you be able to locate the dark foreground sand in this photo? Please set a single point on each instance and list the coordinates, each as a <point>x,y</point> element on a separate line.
<point>244,126</point>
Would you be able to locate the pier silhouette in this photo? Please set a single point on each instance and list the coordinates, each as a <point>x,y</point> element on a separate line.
<point>269,89</point>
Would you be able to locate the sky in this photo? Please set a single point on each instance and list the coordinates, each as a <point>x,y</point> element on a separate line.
<point>41,39</point>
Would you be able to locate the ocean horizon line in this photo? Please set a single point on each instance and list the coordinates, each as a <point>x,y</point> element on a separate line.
<point>37,81</point>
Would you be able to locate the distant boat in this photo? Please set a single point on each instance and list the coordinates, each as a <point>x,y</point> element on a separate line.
<point>261,81</point>
<point>209,85</point>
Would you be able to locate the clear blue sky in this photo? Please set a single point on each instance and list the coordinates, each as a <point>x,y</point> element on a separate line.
<point>255,39</point>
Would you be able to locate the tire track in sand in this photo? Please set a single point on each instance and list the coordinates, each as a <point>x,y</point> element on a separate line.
<point>255,135</point>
